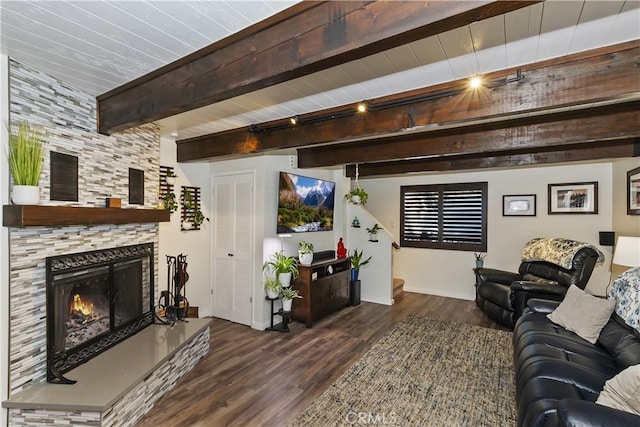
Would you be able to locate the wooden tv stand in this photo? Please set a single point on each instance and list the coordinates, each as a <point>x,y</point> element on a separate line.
<point>324,288</point>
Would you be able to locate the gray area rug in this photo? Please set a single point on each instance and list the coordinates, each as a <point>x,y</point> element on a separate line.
<point>424,372</point>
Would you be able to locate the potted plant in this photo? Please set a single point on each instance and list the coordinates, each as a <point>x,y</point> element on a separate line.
<point>273,288</point>
<point>285,268</point>
<point>373,232</point>
<point>169,201</point>
<point>357,262</point>
<point>170,179</point>
<point>26,157</point>
<point>479,258</point>
<point>288,295</point>
<point>305,252</point>
<point>357,196</point>
<point>198,218</point>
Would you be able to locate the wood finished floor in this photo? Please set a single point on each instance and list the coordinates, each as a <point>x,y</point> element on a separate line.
<point>261,378</point>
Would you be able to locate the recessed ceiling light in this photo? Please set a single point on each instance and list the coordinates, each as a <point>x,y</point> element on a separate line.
<point>362,107</point>
<point>475,82</point>
<point>174,134</point>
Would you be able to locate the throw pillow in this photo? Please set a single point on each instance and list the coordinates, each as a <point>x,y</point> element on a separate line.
<point>582,313</point>
<point>623,391</point>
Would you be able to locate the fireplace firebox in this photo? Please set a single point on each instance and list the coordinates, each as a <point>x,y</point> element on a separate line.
<point>95,300</point>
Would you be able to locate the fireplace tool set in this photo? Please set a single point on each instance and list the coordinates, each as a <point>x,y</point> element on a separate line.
<point>172,304</point>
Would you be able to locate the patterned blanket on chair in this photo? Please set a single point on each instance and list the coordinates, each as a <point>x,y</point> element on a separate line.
<point>556,251</point>
<point>626,291</point>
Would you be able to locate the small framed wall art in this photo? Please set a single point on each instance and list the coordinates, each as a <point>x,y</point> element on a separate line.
<point>573,198</point>
<point>519,205</point>
<point>633,192</point>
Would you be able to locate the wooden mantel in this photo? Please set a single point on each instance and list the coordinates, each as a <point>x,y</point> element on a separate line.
<point>51,216</point>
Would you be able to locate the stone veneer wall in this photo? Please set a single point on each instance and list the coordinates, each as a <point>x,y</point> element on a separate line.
<point>69,118</point>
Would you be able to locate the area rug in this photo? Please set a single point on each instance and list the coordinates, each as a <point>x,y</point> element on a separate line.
<point>424,372</point>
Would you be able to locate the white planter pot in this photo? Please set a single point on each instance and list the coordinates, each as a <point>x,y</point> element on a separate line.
<point>187,225</point>
<point>26,194</point>
<point>272,293</point>
<point>286,304</point>
<point>355,200</point>
<point>305,258</point>
<point>285,279</point>
<point>170,180</point>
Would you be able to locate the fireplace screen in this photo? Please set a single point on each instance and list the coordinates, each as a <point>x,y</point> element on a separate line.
<point>95,300</point>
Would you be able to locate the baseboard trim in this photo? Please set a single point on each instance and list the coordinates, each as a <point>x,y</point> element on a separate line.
<point>455,295</point>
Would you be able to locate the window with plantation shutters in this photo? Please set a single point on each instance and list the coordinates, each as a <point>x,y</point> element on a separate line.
<point>444,216</point>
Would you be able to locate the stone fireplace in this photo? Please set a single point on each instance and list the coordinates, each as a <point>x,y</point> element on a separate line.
<point>95,300</point>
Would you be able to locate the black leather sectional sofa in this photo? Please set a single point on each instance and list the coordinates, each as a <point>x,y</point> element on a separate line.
<point>559,375</point>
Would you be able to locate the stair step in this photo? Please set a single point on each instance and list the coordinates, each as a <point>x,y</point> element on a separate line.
<point>398,285</point>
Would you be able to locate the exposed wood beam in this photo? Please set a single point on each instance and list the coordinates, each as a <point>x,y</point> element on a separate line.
<point>572,80</point>
<point>306,38</point>
<point>570,153</point>
<point>523,132</point>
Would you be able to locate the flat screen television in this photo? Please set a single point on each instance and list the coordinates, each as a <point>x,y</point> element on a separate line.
<point>304,204</point>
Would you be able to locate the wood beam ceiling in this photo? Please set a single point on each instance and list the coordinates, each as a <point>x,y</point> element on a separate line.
<point>306,38</point>
<point>586,97</point>
<point>510,159</point>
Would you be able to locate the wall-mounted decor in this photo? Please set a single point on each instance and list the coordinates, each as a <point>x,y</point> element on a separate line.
<point>633,192</point>
<point>573,198</point>
<point>136,186</point>
<point>519,205</point>
<point>166,195</point>
<point>191,214</point>
<point>64,177</point>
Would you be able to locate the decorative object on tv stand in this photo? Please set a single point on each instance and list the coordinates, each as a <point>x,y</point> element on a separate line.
<point>273,288</point>
<point>480,256</point>
<point>341,252</point>
<point>26,157</point>
<point>282,268</point>
<point>373,232</point>
<point>357,262</point>
<point>288,294</point>
<point>305,252</point>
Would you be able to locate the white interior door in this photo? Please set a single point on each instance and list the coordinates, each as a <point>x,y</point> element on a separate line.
<point>232,262</point>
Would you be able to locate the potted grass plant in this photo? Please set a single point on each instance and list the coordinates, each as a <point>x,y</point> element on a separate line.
<point>26,157</point>
<point>273,288</point>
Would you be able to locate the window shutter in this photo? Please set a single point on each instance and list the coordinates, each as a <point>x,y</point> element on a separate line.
<point>444,216</point>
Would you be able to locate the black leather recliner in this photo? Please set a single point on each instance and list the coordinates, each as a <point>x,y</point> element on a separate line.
<point>503,295</point>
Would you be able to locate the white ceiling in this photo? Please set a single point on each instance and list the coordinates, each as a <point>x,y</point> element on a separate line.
<point>99,45</point>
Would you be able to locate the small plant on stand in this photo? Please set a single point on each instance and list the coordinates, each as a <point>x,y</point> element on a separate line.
<point>169,202</point>
<point>284,267</point>
<point>479,258</point>
<point>273,288</point>
<point>357,262</point>
<point>288,295</point>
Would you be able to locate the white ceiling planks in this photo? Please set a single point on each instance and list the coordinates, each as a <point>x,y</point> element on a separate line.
<point>99,45</point>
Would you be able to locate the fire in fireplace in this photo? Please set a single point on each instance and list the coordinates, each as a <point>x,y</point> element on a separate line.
<point>95,300</point>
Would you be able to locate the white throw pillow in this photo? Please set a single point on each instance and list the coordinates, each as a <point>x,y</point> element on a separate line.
<point>623,391</point>
<point>583,313</point>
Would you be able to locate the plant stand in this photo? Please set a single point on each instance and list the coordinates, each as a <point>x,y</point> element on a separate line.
<point>354,293</point>
<point>286,318</point>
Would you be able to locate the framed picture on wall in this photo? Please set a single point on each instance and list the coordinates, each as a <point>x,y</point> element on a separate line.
<point>519,205</point>
<point>633,192</point>
<point>573,198</point>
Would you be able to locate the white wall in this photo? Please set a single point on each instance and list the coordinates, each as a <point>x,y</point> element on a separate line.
<point>449,273</point>
<point>195,243</point>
